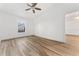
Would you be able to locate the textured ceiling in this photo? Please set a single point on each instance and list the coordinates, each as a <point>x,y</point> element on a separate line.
<point>72,16</point>
<point>18,9</point>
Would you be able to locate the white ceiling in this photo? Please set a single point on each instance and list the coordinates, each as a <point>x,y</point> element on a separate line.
<point>18,9</point>
<point>72,16</point>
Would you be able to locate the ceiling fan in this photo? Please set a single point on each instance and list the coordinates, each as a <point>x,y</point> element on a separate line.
<point>33,7</point>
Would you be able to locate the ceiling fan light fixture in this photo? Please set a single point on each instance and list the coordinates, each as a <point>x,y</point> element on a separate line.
<point>33,7</point>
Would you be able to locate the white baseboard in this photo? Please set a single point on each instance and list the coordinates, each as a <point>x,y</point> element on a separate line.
<point>50,38</point>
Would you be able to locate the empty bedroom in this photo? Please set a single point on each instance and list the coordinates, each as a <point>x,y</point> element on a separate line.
<point>39,29</point>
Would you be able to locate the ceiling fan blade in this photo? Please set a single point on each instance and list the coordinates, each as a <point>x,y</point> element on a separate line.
<point>29,5</point>
<point>27,9</point>
<point>33,11</point>
<point>34,4</point>
<point>38,8</point>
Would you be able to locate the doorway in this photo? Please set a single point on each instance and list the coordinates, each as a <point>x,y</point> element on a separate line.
<point>72,28</point>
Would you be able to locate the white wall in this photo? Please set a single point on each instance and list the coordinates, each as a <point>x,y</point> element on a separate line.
<point>51,24</point>
<point>8,26</point>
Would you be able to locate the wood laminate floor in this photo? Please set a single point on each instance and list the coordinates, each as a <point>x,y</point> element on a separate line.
<point>36,46</point>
